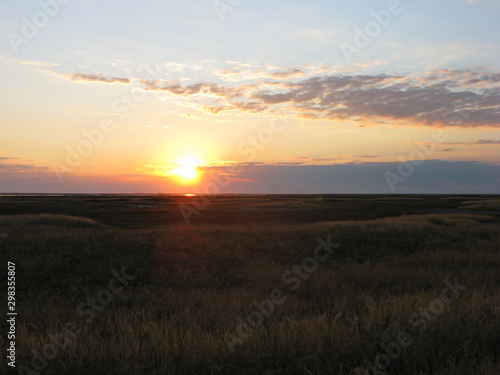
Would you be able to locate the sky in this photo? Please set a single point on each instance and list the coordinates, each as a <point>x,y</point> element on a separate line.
<point>239,96</point>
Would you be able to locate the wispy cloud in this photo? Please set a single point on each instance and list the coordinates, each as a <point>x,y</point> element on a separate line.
<point>102,78</point>
<point>19,166</point>
<point>213,90</point>
<point>479,142</point>
<point>40,63</point>
<point>291,73</point>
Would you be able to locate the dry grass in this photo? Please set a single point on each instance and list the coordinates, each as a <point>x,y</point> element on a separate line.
<point>490,204</point>
<point>20,221</point>
<point>192,283</point>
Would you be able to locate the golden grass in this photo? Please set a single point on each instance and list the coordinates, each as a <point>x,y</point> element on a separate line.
<point>192,283</point>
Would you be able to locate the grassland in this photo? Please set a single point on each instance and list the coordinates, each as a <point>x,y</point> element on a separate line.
<point>191,286</point>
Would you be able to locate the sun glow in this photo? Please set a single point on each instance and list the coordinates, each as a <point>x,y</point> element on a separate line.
<point>187,170</point>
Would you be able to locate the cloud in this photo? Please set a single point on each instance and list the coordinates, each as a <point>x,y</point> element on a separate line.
<point>295,160</point>
<point>479,142</point>
<point>19,166</point>
<point>475,2</point>
<point>95,78</point>
<point>40,63</point>
<point>292,73</point>
<point>465,98</point>
<point>487,142</point>
<point>240,75</point>
<point>190,90</point>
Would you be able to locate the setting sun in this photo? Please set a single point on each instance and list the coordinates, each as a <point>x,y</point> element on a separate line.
<point>187,169</point>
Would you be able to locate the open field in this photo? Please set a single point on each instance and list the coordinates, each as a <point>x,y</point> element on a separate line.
<point>254,284</point>
<point>147,211</point>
